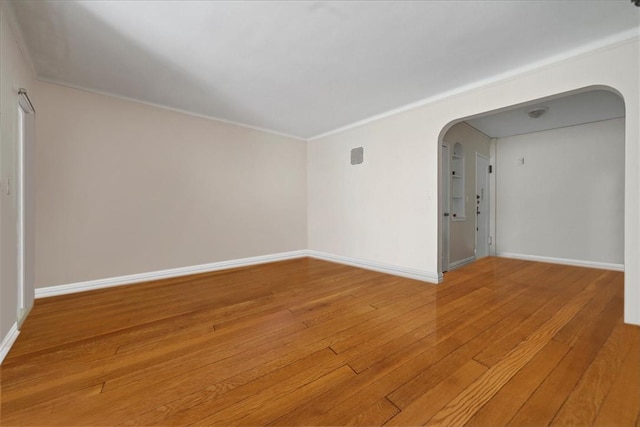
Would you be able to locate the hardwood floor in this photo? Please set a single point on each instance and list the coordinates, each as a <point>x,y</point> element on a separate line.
<point>307,342</point>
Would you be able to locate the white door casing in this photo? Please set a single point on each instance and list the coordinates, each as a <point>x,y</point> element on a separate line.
<point>445,216</point>
<point>482,206</point>
<point>25,197</point>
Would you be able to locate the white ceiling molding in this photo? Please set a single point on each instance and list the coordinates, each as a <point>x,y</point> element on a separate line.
<point>169,108</point>
<point>607,43</point>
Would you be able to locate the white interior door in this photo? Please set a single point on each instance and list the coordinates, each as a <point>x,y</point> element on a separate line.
<point>482,206</point>
<point>445,183</point>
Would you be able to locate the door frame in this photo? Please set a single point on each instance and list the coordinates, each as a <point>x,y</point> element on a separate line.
<point>486,205</point>
<point>25,207</point>
<point>444,202</point>
<point>20,198</point>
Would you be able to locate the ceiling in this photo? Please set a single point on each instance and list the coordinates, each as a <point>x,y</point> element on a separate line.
<point>576,109</point>
<point>302,68</point>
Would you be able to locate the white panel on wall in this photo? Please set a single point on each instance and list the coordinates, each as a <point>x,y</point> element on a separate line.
<point>560,193</point>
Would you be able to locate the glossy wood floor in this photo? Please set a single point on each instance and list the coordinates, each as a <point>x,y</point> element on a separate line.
<point>307,342</point>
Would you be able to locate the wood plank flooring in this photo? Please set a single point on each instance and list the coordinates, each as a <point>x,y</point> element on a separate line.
<point>308,342</point>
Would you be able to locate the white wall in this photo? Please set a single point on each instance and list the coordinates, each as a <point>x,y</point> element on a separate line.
<point>125,188</point>
<point>14,74</point>
<point>567,200</point>
<point>375,211</point>
<point>462,237</point>
<point>387,210</point>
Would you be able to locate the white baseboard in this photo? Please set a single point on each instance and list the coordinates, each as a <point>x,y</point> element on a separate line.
<point>564,261</point>
<point>164,274</point>
<point>411,273</point>
<point>425,276</point>
<point>7,341</point>
<point>461,262</point>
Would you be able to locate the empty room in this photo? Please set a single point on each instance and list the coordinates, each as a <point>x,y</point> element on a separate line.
<point>319,213</point>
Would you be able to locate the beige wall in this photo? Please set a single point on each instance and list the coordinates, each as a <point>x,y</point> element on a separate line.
<point>125,188</point>
<point>462,235</point>
<point>14,74</point>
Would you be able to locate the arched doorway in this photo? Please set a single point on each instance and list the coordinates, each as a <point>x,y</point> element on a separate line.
<point>557,191</point>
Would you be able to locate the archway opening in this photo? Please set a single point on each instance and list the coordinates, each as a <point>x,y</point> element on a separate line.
<point>556,187</point>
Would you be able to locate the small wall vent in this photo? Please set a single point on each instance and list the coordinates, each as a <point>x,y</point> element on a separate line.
<point>357,156</point>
